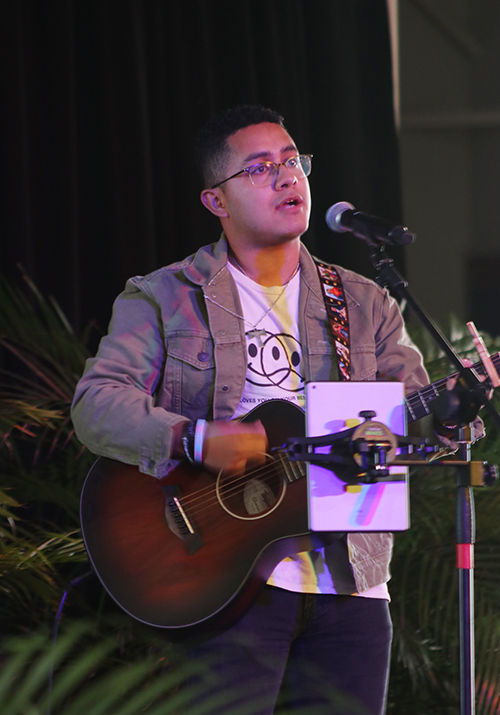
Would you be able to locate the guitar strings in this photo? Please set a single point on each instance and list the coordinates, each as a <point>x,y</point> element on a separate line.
<point>435,389</point>
<point>234,484</point>
<point>231,487</point>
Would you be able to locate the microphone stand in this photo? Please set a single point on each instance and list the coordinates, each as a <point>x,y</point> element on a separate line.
<point>389,277</point>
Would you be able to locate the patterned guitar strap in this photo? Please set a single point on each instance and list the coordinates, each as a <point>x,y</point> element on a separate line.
<point>336,308</point>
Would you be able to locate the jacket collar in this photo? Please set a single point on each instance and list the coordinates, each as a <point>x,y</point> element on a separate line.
<point>209,265</point>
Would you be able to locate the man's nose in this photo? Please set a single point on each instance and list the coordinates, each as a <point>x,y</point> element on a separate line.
<point>284,176</point>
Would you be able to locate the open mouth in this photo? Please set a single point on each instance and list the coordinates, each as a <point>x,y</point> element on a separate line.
<point>293,201</point>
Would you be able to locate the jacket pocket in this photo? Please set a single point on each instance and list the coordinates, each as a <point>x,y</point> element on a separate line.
<point>364,363</point>
<point>190,372</point>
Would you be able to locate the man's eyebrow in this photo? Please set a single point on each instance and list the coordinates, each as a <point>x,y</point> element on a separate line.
<point>264,154</point>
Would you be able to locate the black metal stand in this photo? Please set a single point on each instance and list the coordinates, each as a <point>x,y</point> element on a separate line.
<point>465,539</point>
<point>388,276</point>
<point>468,474</point>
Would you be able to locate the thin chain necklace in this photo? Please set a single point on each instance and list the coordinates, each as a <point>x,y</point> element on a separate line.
<point>255,332</point>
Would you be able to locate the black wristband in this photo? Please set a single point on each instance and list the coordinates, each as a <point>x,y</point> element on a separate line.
<point>188,440</point>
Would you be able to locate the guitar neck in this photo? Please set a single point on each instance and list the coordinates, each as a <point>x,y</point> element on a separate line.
<point>418,404</point>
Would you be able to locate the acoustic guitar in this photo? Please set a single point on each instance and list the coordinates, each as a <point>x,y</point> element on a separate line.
<point>193,549</point>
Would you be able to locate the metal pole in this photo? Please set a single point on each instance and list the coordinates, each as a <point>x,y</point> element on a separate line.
<point>465,538</point>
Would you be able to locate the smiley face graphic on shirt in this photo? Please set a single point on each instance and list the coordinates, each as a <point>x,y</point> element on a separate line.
<point>274,361</point>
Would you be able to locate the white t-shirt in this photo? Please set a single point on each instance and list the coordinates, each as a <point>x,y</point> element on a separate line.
<point>274,371</point>
<point>274,353</point>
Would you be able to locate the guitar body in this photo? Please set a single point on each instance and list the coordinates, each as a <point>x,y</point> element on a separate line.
<point>192,548</point>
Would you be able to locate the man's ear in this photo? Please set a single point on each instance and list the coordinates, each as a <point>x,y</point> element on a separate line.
<point>213,200</point>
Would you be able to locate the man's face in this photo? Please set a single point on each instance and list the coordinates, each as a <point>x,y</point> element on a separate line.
<point>267,215</point>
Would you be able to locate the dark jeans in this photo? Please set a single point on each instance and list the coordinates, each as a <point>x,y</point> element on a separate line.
<point>323,654</point>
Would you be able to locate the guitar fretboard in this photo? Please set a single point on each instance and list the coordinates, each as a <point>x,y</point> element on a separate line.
<point>418,404</point>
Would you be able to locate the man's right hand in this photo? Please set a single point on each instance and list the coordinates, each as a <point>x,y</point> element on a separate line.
<point>228,446</point>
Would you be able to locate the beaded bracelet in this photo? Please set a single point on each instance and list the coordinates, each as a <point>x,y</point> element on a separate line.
<point>188,434</point>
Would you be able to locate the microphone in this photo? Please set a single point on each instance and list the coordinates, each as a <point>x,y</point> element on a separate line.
<point>343,217</point>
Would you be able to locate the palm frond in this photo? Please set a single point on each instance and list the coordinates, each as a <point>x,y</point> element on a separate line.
<point>43,362</point>
<point>103,676</point>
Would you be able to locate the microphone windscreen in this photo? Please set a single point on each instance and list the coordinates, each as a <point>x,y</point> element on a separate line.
<point>334,213</point>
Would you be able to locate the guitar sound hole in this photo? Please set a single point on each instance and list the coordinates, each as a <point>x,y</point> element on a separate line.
<point>253,495</point>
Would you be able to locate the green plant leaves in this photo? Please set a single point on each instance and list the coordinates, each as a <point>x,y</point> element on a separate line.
<point>424,585</point>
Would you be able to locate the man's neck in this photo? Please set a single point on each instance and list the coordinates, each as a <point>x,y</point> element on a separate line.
<point>269,266</point>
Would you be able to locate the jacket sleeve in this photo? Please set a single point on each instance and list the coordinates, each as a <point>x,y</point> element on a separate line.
<point>397,356</point>
<point>113,411</point>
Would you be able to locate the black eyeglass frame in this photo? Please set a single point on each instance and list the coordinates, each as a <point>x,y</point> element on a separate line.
<point>267,163</point>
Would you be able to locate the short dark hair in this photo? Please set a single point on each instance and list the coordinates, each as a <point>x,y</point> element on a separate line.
<point>211,149</point>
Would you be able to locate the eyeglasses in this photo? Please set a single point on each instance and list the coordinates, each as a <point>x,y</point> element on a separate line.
<point>264,174</point>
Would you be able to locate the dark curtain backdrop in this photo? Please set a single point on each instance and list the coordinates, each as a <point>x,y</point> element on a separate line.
<point>100,100</point>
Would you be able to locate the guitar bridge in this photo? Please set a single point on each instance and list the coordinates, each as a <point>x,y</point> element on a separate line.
<point>178,520</point>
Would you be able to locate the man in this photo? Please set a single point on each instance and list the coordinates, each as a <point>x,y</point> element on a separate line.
<point>192,346</point>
